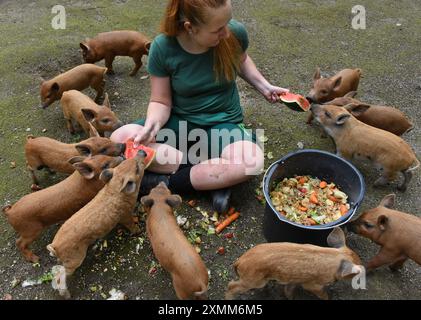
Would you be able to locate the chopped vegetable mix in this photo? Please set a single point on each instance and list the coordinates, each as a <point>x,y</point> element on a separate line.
<point>309,201</point>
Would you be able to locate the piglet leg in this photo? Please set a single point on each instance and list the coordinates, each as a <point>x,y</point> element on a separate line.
<point>385,178</point>
<point>138,61</point>
<point>25,240</point>
<point>407,177</point>
<point>289,291</point>
<point>99,88</point>
<point>382,258</point>
<point>398,264</point>
<point>109,64</point>
<point>235,288</point>
<point>70,127</point>
<point>317,290</point>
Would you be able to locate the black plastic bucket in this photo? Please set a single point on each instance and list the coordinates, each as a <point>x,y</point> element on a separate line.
<point>316,163</point>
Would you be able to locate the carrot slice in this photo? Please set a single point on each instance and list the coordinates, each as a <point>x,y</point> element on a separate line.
<point>227,222</point>
<point>323,184</point>
<point>334,199</point>
<point>302,180</point>
<point>343,209</point>
<point>313,198</point>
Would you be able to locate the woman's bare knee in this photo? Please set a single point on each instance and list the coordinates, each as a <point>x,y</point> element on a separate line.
<point>126,132</point>
<point>247,154</point>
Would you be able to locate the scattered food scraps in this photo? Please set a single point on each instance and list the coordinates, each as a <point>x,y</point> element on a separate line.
<point>227,222</point>
<point>117,295</point>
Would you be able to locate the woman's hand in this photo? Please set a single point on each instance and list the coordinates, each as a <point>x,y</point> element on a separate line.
<point>272,93</point>
<point>145,136</point>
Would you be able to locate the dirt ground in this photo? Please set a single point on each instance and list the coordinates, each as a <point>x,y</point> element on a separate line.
<point>288,40</point>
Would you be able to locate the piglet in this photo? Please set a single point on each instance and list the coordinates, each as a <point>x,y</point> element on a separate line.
<point>355,139</point>
<point>108,45</point>
<point>291,264</point>
<point>82,109</point>
<point>326,89</point>
<point>78,78</point>
<point>44,152</point>
<point>398,234</point>
<point>114,204</point>
<point>382,117</point>
<point>36,211</point>
<point>170,246</point>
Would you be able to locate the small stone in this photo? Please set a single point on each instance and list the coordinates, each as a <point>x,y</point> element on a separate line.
<point>44,130</point>
<point>300,145</point>
<point>28,129</point>
<point>12,164</point>
<point>221,250</point>
<point>181,220</point>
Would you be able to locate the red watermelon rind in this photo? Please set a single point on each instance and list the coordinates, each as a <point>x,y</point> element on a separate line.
<point>131,152</point>
<point>295,102</point>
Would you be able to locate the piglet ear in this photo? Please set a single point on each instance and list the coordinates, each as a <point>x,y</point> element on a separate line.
<point>83,149</point>
<point>55,87</point>
<point>382,222</point>
<point>129,186</point>
<point>89,114</point>
<point>76,159</point>
<point>336,238</point>
<point>357,109</point>
<point>174,200</point>
<point>388,201</point>
<point>348,269</point>
<point>342,118</point>
<point>147,46</point>
<point>351,94</point>
<point>92,130</point>
<point>106,102</point>
<point>316,75</point>
<point>106,175</point>
<point>146,201</point>
<point>84,46</point>
<point>85,170</point>
<point>337,83</point>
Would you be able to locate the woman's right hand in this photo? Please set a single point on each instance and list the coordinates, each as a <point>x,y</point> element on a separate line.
<point>145,136</point>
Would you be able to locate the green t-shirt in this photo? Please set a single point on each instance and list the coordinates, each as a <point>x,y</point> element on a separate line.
<point>196,96</point>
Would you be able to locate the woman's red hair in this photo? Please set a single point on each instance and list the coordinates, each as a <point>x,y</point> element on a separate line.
<point>227,53</point>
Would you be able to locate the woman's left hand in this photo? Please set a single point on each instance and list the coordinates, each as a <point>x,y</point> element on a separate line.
<point>271,93</point>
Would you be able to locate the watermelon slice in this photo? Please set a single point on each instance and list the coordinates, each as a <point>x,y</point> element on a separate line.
<point>295,101</point>
<point>131,152</point>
